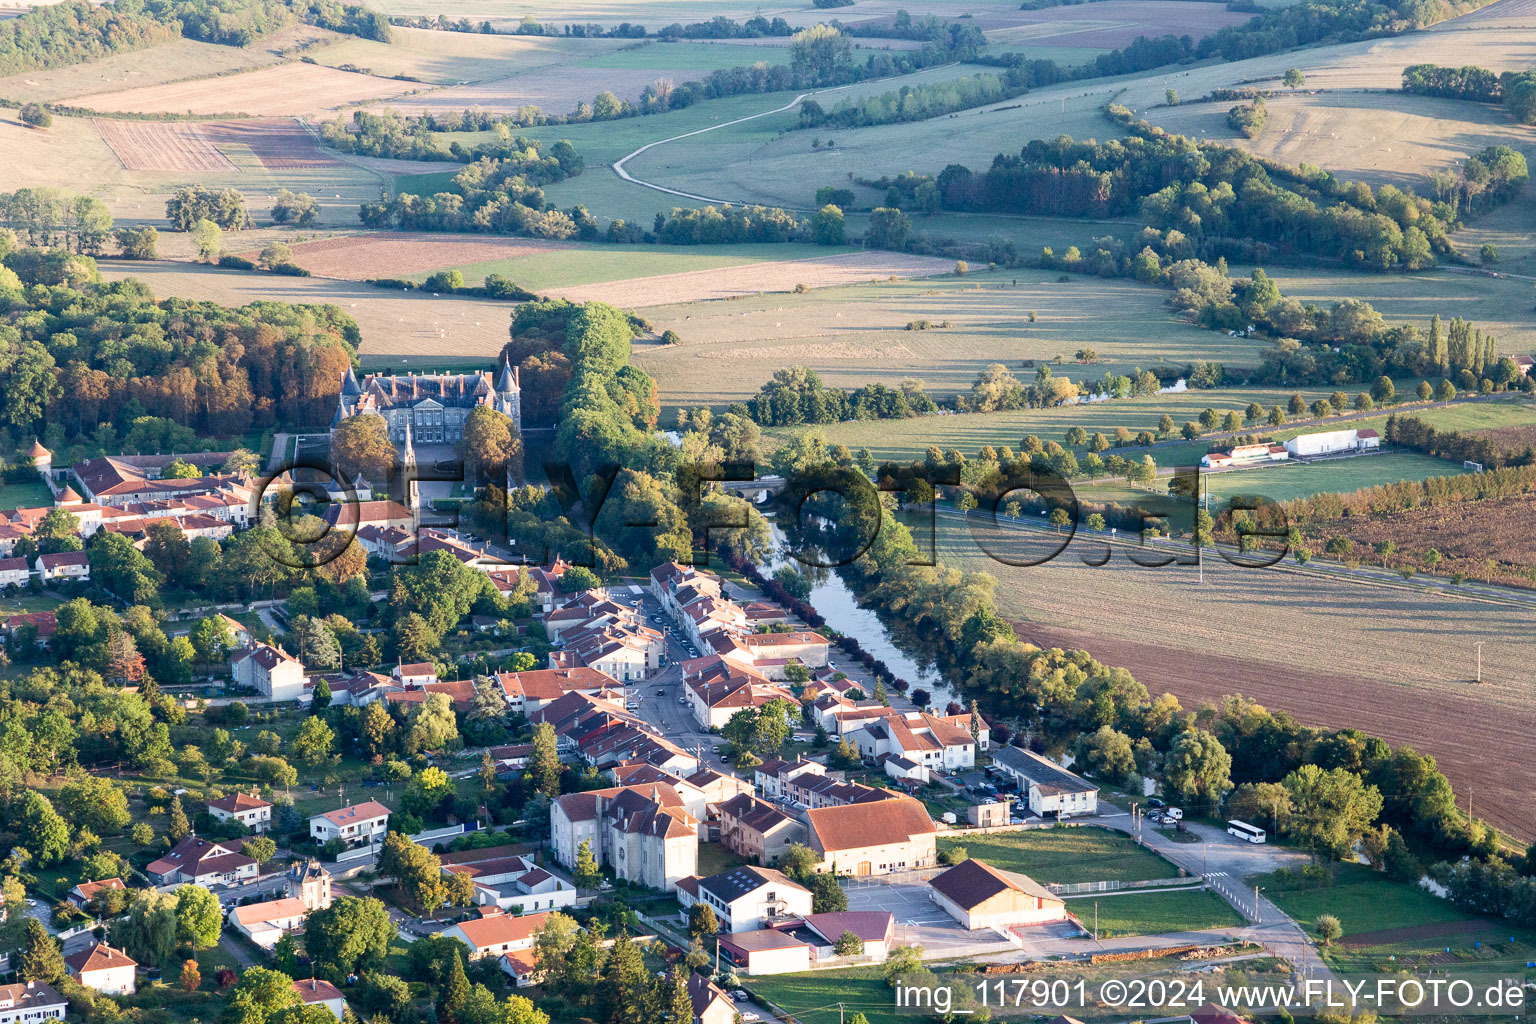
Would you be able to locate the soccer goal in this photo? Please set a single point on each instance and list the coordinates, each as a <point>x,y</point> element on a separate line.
<point>1470,466</point>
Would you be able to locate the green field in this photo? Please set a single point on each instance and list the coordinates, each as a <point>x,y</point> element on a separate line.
<point>1297,480</point>
<point>426,184</point>
<point>1066,855</point>
<point>596,263</point>
<point>1156,913</point>
<point>32,494</point>
<point>906,439</point>
<point>1365,901</point>
<point>822,997</point>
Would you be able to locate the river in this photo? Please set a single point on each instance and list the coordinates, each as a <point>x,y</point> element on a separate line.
<point>831,596</point>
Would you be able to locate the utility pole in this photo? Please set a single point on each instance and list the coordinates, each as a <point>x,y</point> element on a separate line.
<point>1479,646</point>
<point>1095,920</point>
<point>1256,905</point>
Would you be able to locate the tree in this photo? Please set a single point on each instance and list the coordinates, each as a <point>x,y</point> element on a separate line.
<point>95,803</point>
<point>313,741</point>
<point>431,725</point>
<point>490,447</point>
<point>417,870</point>
<point>702,921</point>
<point>888,229</point>
<point>827,897</point>
<point>262,994</point>
<point>209,239</point>
<point>1328,928</point>
<point>259,848</point>
<point>848,944</point>
<point>360,445</point>
<point>40,830</point>
<point>1198,768</point>
<point>1293,78</point>
<point>827,226</point>
<point>179,827</point>
<point>820,55</point>
<point>191,977</point>
<point>587,874</point>
<point>798,861</point>
<point>149,933</point>
<point>41,957</point>
<point>35,115</point>
<point>1108,754</point>
<point>454,993</point>
<point>679,1002</point>
<point>1171,97</point>
<point>351,933</point>
<point>199,917</point>
<point>1331,809</point>
<point>316,642</point>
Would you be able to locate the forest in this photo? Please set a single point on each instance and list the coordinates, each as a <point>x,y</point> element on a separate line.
<point>88,359</point>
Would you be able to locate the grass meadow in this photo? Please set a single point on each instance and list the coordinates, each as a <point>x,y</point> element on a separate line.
<point>1065,855</point>
<point>1155,913</point>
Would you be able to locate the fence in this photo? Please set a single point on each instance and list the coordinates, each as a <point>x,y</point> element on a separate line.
<point>985,830</point>
<point>916,876</point>
<point>1072,888</point>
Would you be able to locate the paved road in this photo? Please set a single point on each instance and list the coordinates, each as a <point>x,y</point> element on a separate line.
<point>1226,862</point>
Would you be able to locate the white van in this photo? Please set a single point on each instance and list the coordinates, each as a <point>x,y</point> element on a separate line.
<point>1174,813</point>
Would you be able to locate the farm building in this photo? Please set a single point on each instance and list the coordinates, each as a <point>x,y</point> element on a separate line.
<point>1245,455</point>
<point>1048,787</point>
<point>1332,442</point>
<point>766,952</point>
<point>980,896</point>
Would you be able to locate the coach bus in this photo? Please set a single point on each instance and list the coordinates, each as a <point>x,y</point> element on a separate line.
<point>1243,830</point>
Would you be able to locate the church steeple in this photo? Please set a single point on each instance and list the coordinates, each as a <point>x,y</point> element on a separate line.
<point>408,453</point>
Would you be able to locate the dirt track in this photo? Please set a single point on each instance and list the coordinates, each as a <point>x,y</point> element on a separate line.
<point>1460,731</point>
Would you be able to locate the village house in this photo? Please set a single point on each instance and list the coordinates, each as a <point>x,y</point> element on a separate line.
<point>271,671</point>
<point>31,1002</point>
<point>747,898</point>
<point>203,863</point>
<point>508,880</point>
<point>81,894</point>
<point>355,823</point>
<point>642,833</point>
<point>246,808</point>
<point>63,565</point>
<point>105,969</point>
<point>319,992</point>
<point>265,923</point>
<point>873,838</point>
<point>710,1003</point>
<point>1049,790</point>
<point>497,933</point>
<point>415,674</point>
<point>809,941</point>
<point>756,829</point>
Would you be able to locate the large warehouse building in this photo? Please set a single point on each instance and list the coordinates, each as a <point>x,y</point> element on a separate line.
<point>1332,442</point>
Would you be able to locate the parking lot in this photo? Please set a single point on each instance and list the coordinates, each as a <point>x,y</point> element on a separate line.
<point>918,919</point>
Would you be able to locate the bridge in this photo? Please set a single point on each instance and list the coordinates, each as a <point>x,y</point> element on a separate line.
<point>764,488</point>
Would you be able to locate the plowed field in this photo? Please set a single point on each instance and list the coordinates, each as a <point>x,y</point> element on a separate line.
<point>162,146</point>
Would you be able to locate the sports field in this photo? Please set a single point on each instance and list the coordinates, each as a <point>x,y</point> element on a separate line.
<point>1155,913</point>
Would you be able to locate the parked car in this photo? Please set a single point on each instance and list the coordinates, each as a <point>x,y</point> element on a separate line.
<point>661,693</point>
<point>1174,813</point>
<point>633,705</point>
<point>1153,801</point>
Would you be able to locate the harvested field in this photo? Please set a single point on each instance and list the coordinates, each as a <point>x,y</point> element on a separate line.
<point>279,143</point>
<point>1394,661</point>
<point>286,90</point>
<point>857,335</point>
<point>772,276</point>
<point>392,254</point>
<point>394,325</point>
<point>451,58</point>
<point>1486,540</point>
<point>162,146</point>
<point>1380,138</point>
<point>555,92</point>
<point>1109,24</point>
<point>174,61</point>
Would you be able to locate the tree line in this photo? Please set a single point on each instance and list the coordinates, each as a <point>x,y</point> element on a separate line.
<point>1334,21</point>
<point>797,395</point>
<point>500,195</point>
<point>1516,90</point>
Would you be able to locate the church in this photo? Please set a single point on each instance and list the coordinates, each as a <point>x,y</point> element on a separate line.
<point>429,409</point>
